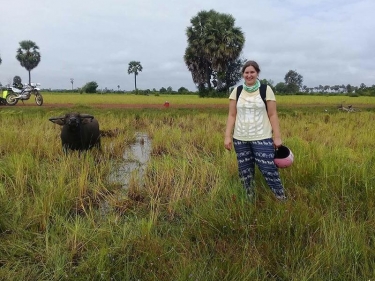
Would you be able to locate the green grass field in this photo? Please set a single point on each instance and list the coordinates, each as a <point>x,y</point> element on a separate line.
<point>86,99</point>
<point>188,219</point>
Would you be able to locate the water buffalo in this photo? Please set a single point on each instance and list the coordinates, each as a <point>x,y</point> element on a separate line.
<point>79,131</point>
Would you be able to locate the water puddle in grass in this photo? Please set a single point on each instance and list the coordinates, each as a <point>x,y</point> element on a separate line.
<point>135,161</point>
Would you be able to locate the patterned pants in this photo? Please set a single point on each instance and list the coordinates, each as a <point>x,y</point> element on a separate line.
<point>262,153</point>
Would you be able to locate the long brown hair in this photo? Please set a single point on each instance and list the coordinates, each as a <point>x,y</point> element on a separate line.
<point>251,63</point>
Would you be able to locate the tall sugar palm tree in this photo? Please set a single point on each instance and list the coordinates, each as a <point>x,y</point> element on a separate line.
<point>195,57</point>
<point>199,67</point>
<point>214,41</point>
<point>225,41</point>
<point>28,55</point>
<point>135,67</point>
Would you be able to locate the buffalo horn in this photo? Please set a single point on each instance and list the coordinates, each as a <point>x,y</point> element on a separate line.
<point>86,116</point>
<point>56,118</point>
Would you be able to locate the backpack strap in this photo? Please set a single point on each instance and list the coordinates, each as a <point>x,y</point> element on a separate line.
<point>262,90</point>
<point>239,90</point>
<point>263,93</point>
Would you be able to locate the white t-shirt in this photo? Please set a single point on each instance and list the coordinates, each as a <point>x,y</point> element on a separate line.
<point>252,122</point>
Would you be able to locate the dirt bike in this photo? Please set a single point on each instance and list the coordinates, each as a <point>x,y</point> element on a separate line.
<point>15,94</point>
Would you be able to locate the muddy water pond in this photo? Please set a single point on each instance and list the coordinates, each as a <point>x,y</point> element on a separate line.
<point>134,162</point>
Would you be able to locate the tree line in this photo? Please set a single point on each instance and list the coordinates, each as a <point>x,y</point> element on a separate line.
<point>293,85</point>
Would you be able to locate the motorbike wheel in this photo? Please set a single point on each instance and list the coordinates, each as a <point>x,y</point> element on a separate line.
<point>11,99</point>
<point>38,99</point>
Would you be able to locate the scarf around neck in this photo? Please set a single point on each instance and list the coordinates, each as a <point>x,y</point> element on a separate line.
<point>252,88</point>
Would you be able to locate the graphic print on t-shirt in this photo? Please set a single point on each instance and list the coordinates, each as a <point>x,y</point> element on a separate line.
<point>251,117</point>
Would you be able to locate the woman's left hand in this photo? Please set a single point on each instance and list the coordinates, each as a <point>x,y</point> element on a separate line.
<point>277,142</point>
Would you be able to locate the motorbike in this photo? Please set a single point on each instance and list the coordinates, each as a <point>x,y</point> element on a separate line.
<point>15,94</point>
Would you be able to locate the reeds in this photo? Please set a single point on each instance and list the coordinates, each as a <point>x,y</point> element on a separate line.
<point>188,219</point>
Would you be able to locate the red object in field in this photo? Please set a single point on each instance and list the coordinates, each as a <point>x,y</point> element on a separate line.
<point>166,104</point>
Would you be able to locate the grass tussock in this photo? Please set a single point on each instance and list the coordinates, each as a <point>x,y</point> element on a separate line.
<point>62,218</point>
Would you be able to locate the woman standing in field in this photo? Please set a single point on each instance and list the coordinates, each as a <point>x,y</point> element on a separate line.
<point>256,132</point>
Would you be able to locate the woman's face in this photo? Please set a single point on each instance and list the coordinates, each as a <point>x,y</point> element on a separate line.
<point>250,75</point>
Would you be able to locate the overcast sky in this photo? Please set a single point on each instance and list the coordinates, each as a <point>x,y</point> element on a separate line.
<point>328,42</point>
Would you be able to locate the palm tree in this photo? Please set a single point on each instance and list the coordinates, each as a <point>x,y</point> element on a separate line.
<point>224,41</point>
<point>28,55</point>
<point>135,67</point>
<point>199,67</point>
<point>213,42</point>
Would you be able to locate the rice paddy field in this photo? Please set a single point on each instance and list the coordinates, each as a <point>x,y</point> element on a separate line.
<point>131,99</point>
<point>182,214</point>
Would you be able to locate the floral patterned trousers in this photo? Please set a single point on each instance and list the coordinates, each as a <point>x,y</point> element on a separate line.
<point>262,153</point>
